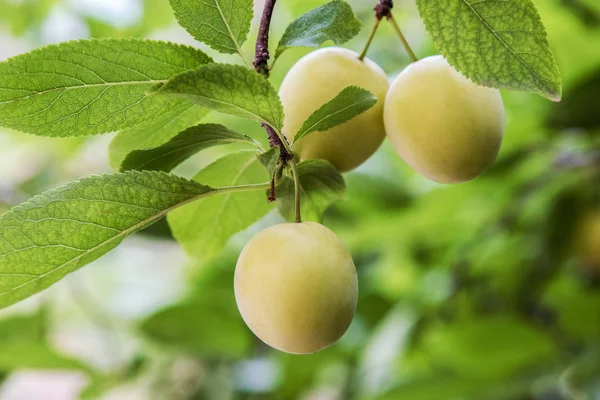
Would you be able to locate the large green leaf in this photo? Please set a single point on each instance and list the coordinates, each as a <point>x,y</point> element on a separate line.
<point>61,230</point>
<point>221,24</point>
<point>89,86</point>
<point>181,114</point>
<point>501,44</point>
<point>349,103</point>
<point>320,186</point>
<point>333,21</point>
<point>181,147</point>
<point>205,227</point>
<point>230,89</point>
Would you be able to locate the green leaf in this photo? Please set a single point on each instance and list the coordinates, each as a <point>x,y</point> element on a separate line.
<point>494,347</point>
<point>18,354</point>
<point>181,147</point>
<point>446,386</point>
<point>205,227</point>
<point>221,24</point>
<point>270,159</point>
<point>23,327</point>
<point>501,44</point>
<point>349,103</point>
<point>181,114</point>
<point>89,86</point>
<point>208,325</point>
<point>320,186</point>
<point>230,89</point>
<point>61,230</point>
<point>333,21</point>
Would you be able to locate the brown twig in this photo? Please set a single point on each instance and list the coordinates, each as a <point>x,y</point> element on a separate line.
<point>384,9</point>
<point>261,56</point>
<point>261,65</point>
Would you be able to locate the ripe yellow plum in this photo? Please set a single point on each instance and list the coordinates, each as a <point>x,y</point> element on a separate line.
<point>589,240</point>
<point>296,287</point>
<point>316,79</point>
<point>443,125</point>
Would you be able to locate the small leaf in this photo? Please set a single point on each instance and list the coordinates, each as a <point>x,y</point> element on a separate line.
<point>333,21</point>
<point>230,89</point>
<point>181,114</point>
<point>205,227</point>
<point>181,147</point>
<point>501,44</point>
<point>320,186</point>
<point>57,232</point>
<point>223,25</point>
<point>90,86</point>
<point>269,159</point>
<point>349,103</point>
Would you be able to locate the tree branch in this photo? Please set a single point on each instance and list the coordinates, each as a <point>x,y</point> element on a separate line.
<point>261,65</point>
<point>261,56</point>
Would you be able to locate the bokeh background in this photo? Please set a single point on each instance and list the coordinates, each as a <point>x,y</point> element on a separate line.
<point>483,290</point>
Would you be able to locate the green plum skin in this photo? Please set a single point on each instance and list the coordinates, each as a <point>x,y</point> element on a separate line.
<point>316,79</point>
<point>443,125</point>
<point>296,287</point>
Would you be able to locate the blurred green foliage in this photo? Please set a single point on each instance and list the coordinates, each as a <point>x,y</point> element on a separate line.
<point>472,291</point>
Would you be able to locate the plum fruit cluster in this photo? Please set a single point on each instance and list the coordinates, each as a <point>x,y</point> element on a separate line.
<point>444,126</point>
<point>295,283</point>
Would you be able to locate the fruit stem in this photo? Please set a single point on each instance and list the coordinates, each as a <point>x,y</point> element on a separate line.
<point>296,189</point>
<point>369,40</point>
<point>396,28</point>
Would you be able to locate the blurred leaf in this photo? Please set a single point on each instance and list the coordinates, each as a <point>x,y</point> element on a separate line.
<point>17,354</point>
<point>349,103</point>
<point>230,89</point>
<point>320,186</point>
<point>498,44</point>
<point>205,227</point>
<point>157,14</point>
<point>444,387</point>
<point>23,327</point>
<point>89,86</point>
<point>333,21</point>
<point>299,373</point>
<point>25,14</point>
<point>223,25</point>
<point>489,347</point>
<point>61,230</point>
<point>181,147</point>
<point>579,108</point>
<point>578,309</point>
<point>178,115</point>
<point>209,326</point>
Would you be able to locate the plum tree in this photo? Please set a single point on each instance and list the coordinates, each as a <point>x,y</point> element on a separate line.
<point>443,125</point>
<point>317,78</point>
<point>296,287</point>
<point>589,239</point>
